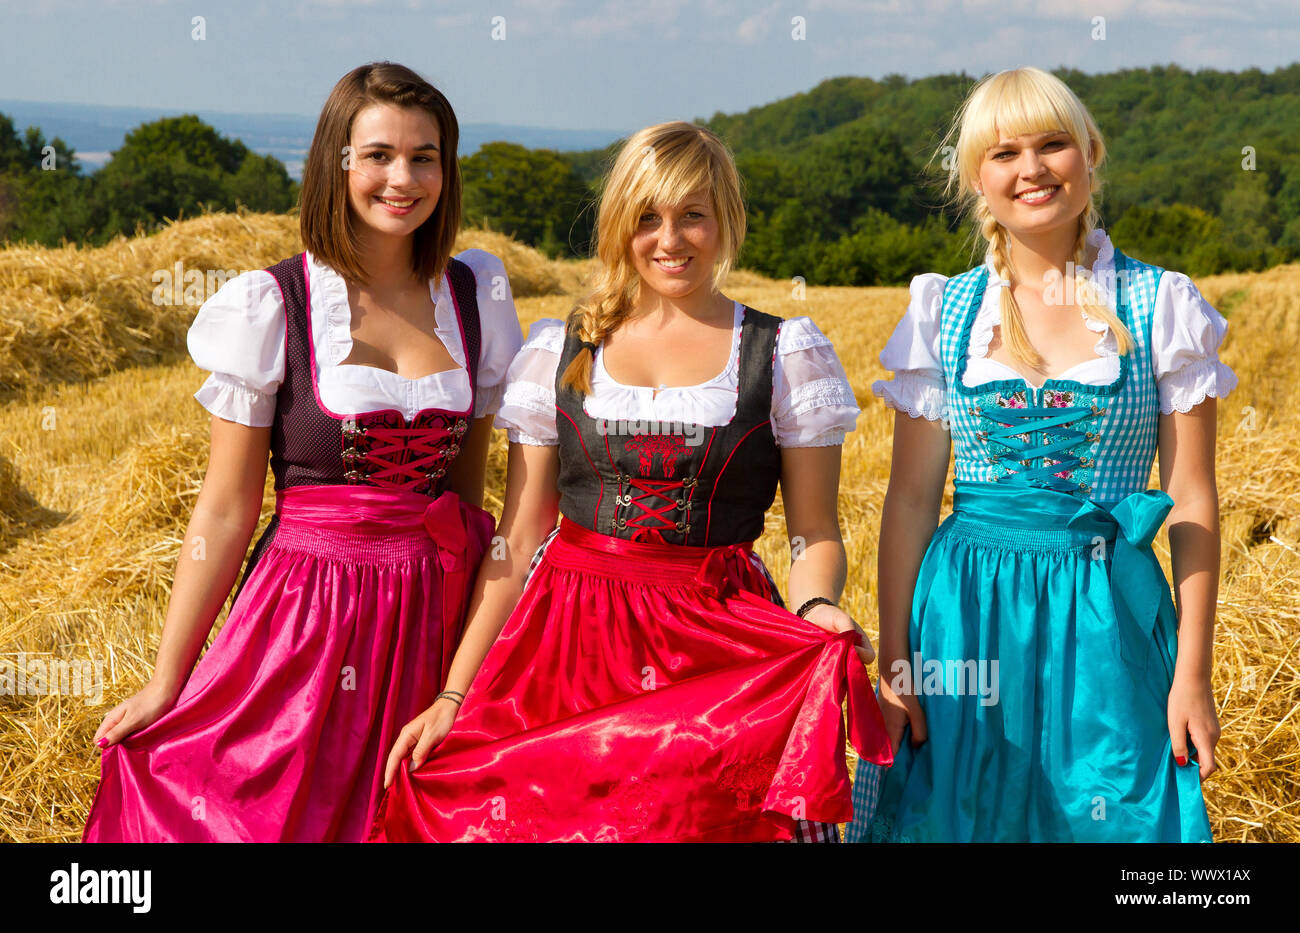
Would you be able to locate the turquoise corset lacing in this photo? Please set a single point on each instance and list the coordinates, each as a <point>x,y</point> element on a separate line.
<point>1035,422</point>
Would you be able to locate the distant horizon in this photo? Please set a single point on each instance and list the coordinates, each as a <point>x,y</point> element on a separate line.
<point>283,135</point>
<point>881,78</point>
<point>589,65</point>
<point>479,132</point>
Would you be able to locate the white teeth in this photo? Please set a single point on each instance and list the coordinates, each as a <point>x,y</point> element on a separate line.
<point>1039,195</point>
<point>673,263</point>
<point>398,203</point>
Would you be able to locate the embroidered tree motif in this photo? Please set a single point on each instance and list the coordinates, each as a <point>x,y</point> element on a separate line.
<point>522,820</point>
<point>748,780</point>
<point>632,804</point>
<point>668,446</point>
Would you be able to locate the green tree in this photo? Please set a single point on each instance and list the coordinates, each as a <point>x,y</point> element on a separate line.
<point>179,165</point>
<point>13,154</point>
<point>532,194</point>
<point>43,197</point>
<point>1177,237</point>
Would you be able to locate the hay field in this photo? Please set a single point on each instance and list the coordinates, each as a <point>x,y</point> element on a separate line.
<point>102,452</point>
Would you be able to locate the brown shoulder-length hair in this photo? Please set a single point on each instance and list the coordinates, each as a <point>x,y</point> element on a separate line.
<point>326,220</point>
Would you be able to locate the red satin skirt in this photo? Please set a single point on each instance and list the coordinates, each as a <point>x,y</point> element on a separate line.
<point>645,692</point>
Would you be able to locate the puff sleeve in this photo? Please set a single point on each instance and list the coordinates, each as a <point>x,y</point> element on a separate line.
<point>812,401</point>
<point>238,336</point>
<point>528,403</point>
<point>912,354</point>
<point>499,324</point>
<point>1186,333</point>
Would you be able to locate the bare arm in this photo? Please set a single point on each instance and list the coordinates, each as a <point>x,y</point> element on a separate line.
<point>215,542</point>
<point>532,503</point>
<point>907,522</point>
<point>1186,447</point>
<point>528,516</point>
<point>810,485</point>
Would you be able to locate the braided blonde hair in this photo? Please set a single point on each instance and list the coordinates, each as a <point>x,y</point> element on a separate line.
<point>1014,103</point>
<point>660,164</point>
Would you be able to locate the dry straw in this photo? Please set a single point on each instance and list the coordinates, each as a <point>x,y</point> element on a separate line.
<point>103,453</point>
<point>74,314</point>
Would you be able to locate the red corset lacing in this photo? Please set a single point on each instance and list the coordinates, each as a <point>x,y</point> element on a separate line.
<point>427,450</point>
<point>654,519</point>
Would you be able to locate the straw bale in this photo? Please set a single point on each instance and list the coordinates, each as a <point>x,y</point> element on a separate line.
<point>98,473</point>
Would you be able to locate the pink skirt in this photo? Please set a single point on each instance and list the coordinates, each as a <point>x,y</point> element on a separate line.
<point>342,633</point>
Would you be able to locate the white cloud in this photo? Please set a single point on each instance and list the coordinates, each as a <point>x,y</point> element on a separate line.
<point>756,27</point>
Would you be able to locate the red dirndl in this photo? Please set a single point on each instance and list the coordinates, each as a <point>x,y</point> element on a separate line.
<point>645,692</point>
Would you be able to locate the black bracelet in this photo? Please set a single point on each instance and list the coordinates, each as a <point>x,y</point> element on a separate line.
<point>815,601</point>
<point>451,695</point>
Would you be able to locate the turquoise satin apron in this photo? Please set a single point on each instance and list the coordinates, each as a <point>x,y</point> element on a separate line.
<point>1042,634</point>
<point>1057,731</point>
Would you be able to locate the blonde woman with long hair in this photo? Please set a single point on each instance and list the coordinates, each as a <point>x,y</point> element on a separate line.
<point>1037,681</point>
<point>648,686</point>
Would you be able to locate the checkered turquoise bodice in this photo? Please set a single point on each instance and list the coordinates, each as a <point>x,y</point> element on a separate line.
<point>1095,442</point>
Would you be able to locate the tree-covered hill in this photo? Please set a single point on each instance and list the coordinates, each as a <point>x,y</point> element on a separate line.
<point>1202,171</point>
<point>1202,175</point>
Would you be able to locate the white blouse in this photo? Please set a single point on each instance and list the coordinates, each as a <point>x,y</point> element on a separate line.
<point>812,402</point>
<point>1185,336</point>
<point>238,335</point>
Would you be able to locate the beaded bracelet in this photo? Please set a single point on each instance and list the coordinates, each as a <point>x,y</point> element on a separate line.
<point>815,601</point>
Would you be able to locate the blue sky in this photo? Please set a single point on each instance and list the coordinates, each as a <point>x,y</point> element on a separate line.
<point>598,65</point>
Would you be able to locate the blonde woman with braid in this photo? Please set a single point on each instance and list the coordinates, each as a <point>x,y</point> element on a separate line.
<point>648,685</point>
<point>1037,681</point>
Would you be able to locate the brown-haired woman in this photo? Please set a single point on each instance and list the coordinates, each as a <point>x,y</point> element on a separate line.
<point>647,686</point>
<point>368,368</point>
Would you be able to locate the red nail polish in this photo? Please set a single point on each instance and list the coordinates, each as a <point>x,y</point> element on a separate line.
<point>1181,759</point>
<point>103,742</point>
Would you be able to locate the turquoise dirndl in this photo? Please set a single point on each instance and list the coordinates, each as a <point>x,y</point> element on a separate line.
<point>1044,638</point>
<point>1042,628</point>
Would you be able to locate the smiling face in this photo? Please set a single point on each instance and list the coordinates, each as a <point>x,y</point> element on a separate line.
<point>675,246</point>
<point>396,169</point>
<point>1035,183</point>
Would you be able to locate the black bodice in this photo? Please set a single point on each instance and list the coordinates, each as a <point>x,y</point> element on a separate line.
<point>670,482</point>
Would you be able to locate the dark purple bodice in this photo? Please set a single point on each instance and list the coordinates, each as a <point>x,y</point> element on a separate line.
<point>312,446</point>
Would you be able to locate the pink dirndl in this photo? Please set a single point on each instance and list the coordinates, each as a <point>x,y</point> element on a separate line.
<point>342,632</point>
<point>341,635</point>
